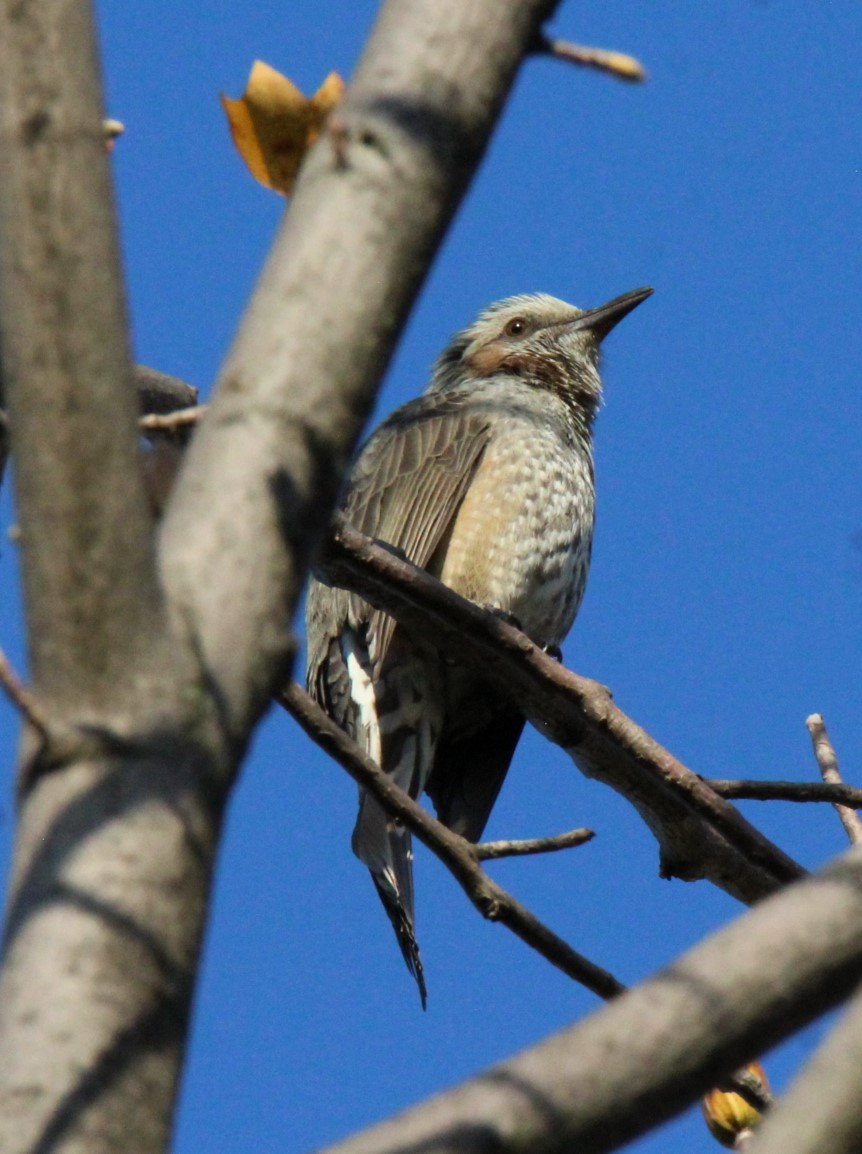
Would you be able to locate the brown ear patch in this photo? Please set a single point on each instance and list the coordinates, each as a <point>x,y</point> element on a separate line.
<point>487,359</point>
<point>498,358</point>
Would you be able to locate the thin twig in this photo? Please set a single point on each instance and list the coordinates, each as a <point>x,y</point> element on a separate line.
<point>170,422</point>
<point>492,901</point>
<point>492,850</point>
<point>23,700</point>
<point>617,64</point>
<point>828,763</point>
<point>798,791</point>
<point>461,858</point>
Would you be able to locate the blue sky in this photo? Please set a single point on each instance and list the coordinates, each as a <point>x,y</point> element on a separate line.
<point>724,599</point>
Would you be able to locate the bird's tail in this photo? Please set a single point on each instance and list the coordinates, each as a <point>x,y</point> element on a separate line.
<point>385,846</point>
<point>396,717</point>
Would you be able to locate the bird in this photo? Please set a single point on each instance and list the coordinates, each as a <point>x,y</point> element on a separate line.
<point>486,481</point>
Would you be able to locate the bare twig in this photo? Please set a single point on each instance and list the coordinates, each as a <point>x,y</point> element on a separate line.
<point>493,850</point>
<point>616,64</point>
<point>700,834</point>
<point>171,422</point>
<point>21,697</point>
<point>492,901</point>
<point>828,764</point>
<point>798,791</point>
<point>462,859</point>
<point>646,1055</point>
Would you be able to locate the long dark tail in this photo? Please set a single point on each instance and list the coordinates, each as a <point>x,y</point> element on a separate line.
<point>395,715</point>
<point>402,923</point>
<point>385,847</point>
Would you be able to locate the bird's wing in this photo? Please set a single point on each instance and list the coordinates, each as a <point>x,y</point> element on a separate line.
<point>409,482</point>
<point>405,489</point>
<point>470,768</point>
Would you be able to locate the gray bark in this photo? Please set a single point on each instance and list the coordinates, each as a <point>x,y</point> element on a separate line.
<point>651,1052</point>
<point>822,1110</point>
<point>152,659</point>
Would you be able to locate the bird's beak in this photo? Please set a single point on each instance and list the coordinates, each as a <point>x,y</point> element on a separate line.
<point>600,321</point>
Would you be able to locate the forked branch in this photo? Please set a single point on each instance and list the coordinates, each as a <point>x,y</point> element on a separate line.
<point>460,856</point>
<point>700,834</point>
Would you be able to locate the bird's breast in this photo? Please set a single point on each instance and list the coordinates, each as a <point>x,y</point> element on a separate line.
<point>522,536</point>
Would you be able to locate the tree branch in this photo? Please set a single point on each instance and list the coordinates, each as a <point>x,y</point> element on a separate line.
<point>115,849</point>
<point>828,764</point>
<point>799,791</point>
<point>699,833</point>
<point>651,1052</point>
<point>23,700</point>
<point>617,64</point>
<point>494,850</point>
<point>364,221</point>
<point>459,855</point>
<point>822,1109</point>
<point>91,595</point>
<point>462,858</point>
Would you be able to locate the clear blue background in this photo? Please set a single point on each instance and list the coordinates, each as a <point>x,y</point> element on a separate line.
<point>724,597</point>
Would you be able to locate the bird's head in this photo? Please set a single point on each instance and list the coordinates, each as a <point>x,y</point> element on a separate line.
<point>543,341</point>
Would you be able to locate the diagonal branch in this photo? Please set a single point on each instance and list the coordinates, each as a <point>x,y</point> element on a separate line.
<point>651,1052</point>
<point>180,647</point>
<point>700,834</point>
<point>822,1109</point>
<point>23,699</point>
<point>460,856</point>
<point>370,207</point>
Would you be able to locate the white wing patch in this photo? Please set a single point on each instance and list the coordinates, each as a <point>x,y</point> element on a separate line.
<point>363,697</point>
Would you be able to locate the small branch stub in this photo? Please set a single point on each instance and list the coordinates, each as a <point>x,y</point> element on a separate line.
<point>23,700</point>
<point>493,850</point>
<point>171,422</point>
<point>617,64</point>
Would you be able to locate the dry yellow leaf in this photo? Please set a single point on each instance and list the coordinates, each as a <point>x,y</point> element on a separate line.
<point>729,1117</point>
<point>273,125</point>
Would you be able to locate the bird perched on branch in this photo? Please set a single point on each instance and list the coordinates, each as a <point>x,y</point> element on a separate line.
<point>486,481</point>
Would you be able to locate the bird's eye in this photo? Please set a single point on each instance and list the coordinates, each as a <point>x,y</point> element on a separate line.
<point>515,327</point>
